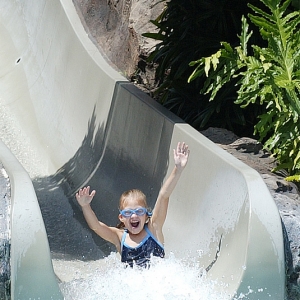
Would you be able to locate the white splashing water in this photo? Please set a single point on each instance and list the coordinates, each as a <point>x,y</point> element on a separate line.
<point>166,279</point>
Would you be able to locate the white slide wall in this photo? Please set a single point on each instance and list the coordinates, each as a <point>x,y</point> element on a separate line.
<point>80,119</point>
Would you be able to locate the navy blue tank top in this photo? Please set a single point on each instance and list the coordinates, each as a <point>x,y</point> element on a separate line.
<point>141,254</point>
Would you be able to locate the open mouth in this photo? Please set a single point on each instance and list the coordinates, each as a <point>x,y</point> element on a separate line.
<point>134,224</point>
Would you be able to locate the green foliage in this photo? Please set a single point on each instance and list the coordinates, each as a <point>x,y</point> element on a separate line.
<point>183,35</point>
<point>270,77</point>
<point>293,178</point>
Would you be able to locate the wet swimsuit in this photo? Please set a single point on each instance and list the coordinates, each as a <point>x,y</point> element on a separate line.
<point>141,254</point>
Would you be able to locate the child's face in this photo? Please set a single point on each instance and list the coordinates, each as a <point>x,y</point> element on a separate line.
<point>134,223</point>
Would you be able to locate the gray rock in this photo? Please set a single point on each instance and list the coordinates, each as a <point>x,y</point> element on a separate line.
<point>116,28</point>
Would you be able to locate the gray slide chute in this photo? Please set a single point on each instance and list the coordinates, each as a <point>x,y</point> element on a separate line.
<point>83,123</point>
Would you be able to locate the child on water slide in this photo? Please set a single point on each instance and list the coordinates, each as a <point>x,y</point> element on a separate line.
<point>139,235</point>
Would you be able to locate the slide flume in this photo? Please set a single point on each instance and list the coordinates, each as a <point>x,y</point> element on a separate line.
<point>70,119</point>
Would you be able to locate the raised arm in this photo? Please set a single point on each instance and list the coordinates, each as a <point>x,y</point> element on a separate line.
<point>181,154</point>
<point>111,234</point>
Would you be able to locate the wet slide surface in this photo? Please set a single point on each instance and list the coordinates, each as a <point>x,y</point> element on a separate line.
<point>71,120</point>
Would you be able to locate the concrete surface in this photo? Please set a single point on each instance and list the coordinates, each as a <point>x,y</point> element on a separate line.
<point>32,275</point>
<point>74,120</point>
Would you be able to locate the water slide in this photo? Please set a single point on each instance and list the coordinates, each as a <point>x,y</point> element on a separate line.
<point>69,119</point>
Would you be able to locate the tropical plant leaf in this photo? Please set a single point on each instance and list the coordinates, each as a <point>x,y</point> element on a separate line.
<point>293,178</point>
<point>269,76</point>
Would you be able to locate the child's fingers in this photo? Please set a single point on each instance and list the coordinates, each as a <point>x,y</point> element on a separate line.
<point>179,148</point>
<point>183,148</point>
<point>79,193</point>
<point>85,192</point>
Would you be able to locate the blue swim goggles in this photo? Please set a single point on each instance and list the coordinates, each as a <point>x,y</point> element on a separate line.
<point>127,213</point>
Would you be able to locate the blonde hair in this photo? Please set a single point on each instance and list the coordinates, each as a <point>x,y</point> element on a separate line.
<point>132,194</point>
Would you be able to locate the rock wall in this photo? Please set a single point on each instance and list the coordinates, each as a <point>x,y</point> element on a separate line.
<point>116,27</point>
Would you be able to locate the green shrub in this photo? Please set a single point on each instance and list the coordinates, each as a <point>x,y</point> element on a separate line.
<point>270,77</point>
<point>187,30</point>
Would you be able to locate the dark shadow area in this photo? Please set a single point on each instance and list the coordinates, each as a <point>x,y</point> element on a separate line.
<point>106,153</point>
<point>75,172</point>
<point>5,234</point>
<point>68,234</point>
<point>5,269</point>
<point>291,272</point>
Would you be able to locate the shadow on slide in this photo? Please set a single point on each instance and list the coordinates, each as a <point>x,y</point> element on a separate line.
<point>73,120</point>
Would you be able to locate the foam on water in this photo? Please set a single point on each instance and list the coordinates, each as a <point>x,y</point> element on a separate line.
<point>168,278</point>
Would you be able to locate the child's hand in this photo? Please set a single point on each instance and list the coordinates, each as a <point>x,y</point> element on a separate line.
<point>181,155</point>
<point>84,197</point>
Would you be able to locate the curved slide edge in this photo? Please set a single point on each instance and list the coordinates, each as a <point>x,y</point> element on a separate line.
<point>221,213</point>
<point>232,214</point>
<point>32,275</point>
